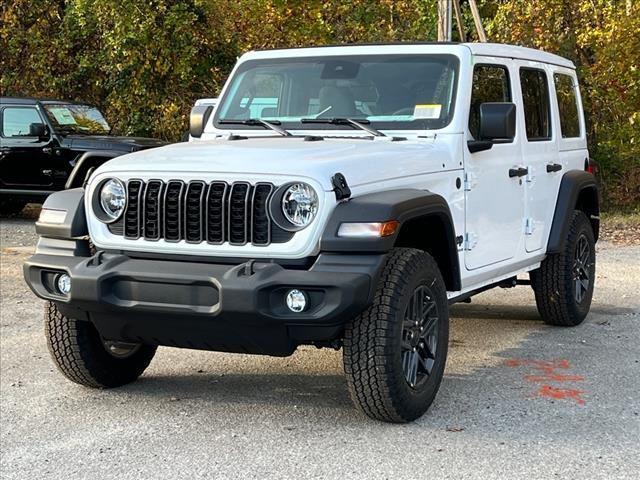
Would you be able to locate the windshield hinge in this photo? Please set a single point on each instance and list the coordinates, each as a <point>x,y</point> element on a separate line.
<point>340,187</point>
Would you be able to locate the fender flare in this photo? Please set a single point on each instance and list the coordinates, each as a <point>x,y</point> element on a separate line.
<point>578,189</point>
<point>74,224</point>
<point>402,205</point>
<point>78,175</point>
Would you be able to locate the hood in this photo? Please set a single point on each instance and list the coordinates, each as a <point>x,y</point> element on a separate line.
<point>110,142</point>
<point>361,160</point>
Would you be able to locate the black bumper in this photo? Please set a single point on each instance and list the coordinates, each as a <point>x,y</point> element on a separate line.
<point>235,308</point>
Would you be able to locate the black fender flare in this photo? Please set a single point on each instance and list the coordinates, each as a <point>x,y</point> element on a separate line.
<point>578,190</point>
<point>78,175</point>
<point>74,224</point>
<point>402,205</point>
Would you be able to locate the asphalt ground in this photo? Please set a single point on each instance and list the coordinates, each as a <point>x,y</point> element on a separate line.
<point>520,400</point>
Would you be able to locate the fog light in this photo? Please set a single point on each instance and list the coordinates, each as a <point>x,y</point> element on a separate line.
<point>296,301</point>
<point>63,282</point>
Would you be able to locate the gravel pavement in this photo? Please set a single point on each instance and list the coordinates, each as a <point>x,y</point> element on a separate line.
<point>519,400</point>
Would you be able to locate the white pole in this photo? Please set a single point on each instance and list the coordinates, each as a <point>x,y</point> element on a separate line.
<point>445,20</point>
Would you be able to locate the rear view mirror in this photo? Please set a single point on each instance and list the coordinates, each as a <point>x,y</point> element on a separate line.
<point>198,119</point>
<point>497,121</point>
<point>38,130</point>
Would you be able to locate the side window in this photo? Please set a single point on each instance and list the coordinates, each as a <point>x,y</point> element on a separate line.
<point>567,105</point>
<point>535,101</point>
<point>490,84</point>
<point>17,120</point>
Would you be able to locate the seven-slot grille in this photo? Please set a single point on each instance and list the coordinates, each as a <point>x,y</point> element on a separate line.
<point>215,212</point>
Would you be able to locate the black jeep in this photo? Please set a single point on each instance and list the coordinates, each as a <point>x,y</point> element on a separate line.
<point>50,145</point>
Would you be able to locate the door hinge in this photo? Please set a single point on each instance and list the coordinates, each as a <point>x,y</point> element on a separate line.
<point>528,226</point>
<point>469,181</point>
<point>470,240</point>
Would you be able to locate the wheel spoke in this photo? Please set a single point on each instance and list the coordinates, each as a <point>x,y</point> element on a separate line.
<point>429,327</point>
<point>410,367</point>
<point>578,287</point>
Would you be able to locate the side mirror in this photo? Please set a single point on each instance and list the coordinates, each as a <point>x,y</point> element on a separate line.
<point>198,119</point>
<point>38,130</point>
<point>497,121</point>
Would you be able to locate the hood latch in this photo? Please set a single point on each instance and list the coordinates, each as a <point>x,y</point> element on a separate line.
<point>340,187</point>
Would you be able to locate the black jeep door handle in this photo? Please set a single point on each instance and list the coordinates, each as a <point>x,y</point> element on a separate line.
<point>518,172</point>
<point>553,167</point>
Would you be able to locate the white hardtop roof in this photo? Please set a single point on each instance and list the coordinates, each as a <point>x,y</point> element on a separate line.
<point>482,49</point>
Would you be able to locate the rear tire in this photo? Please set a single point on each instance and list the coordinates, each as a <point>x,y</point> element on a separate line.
<point>395,351</point>
<point>85,358</point>
<point>563,285</point>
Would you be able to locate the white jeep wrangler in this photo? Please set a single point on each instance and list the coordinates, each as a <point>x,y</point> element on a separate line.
<point>337,197</point>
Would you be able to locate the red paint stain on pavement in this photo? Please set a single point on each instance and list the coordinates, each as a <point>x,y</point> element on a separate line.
<point>561,394</point>
<point>549,372</point>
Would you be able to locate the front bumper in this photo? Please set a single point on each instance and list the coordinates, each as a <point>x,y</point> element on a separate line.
<point>236,308</point>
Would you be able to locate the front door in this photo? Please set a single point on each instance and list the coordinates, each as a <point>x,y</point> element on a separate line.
<point>26,162</point>
<point>494,200</point>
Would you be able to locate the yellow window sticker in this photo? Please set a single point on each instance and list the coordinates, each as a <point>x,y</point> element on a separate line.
<point>427,111</point>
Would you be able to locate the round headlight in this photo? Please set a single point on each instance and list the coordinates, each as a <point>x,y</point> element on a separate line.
<point>113,199</point>
<point>300,204</point>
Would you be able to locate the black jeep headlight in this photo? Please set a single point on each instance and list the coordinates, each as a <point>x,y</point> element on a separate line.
<point>112,200</point>
<point>299,204</point>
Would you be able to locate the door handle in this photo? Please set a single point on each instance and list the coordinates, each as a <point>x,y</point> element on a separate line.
<point>553,167</point>
<point>518,172</point>
<point>47,172</point>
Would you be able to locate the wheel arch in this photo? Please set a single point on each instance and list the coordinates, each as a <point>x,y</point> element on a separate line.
<point>578,191</point>
<point>88,162</point>
<point>417,211</point>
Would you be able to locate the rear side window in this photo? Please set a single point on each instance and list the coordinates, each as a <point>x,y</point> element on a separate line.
<point>567,106</point>
<point>490,84</point>
<point>16,121</point>
<point>535,101</point>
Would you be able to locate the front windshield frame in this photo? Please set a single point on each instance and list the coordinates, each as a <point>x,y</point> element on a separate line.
<point>73,119</point>
<point>451,60</point>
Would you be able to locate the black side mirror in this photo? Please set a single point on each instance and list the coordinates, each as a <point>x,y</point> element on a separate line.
<point>38,130</point>
<point>198,119</point>
<point>497,124</point>
<point>498,121</point>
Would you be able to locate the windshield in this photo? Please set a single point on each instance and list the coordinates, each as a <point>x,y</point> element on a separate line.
<point>77,119</point>
<point>387,91</point>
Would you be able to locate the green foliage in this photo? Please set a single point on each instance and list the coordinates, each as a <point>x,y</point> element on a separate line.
<point>145,62</point>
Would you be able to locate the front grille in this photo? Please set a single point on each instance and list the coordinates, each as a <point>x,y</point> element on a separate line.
<point>197,212</point>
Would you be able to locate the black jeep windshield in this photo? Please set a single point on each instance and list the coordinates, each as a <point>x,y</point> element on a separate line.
<point>385,91</point>
<point>77,119</point>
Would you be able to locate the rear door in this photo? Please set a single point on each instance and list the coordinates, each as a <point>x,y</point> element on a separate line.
<point>539,152</point>
<point>26,162</point>
<point>494,201</point>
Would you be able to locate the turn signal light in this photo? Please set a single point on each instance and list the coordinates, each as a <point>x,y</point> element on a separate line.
<point>368,230</point>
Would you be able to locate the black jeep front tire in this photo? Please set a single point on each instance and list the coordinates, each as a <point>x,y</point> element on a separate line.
<point>85,358</point>
<point>395,351</point>
<point>563,285</point>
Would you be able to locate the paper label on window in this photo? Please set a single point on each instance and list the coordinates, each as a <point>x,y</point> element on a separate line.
<point>63,116</point>
<point>427,111</point>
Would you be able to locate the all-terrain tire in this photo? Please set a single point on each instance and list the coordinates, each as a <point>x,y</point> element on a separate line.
<point>80,353</point>
<point>556,281</point>
<point>373,341</point>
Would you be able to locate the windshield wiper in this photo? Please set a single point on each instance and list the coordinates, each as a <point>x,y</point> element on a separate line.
<point>273,124</point>
<point>359,123</point>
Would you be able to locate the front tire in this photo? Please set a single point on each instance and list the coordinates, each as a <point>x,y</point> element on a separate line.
<point>395,351</point>
<point>563,285</point>
<point>84,357</point>
<point>11,207</point>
